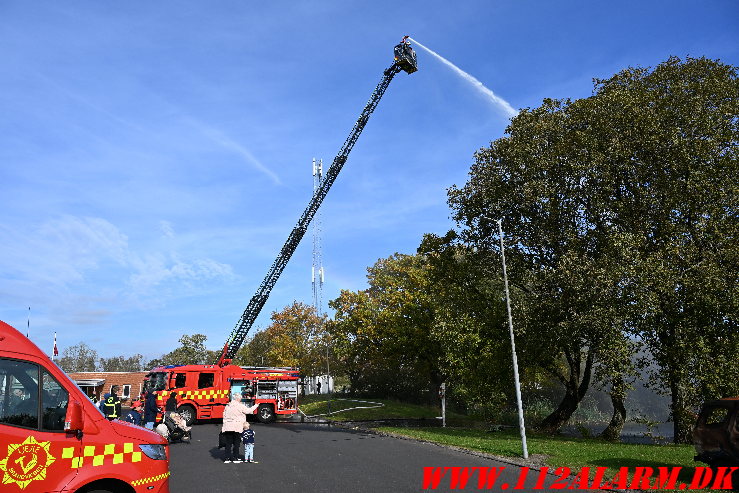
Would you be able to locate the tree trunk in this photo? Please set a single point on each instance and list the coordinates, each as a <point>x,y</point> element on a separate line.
<point>575,390</point>
<point>618,396</point>
<point>682,418</point>
<point>561,415</point>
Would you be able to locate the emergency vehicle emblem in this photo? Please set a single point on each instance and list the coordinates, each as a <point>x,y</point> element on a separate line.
<point>26,462</point>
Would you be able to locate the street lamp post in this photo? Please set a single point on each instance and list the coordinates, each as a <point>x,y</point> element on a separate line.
<point>328,377</point>
<point>521,425</point>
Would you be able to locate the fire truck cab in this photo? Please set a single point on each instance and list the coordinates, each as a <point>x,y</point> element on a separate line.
<point>202,391</point>
<point>54,439</point>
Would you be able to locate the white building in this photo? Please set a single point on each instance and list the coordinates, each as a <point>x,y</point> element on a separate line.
<point>311,384</point>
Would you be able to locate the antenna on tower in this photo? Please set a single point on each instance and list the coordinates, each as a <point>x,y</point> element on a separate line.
<point>317,270</point>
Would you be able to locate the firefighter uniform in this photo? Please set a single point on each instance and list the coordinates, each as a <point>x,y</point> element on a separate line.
<point>111,407</point>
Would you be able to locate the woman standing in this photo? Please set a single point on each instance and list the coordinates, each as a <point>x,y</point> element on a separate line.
<point>234,417</point>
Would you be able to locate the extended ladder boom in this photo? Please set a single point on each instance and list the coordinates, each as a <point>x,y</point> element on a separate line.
<point>404,60</point>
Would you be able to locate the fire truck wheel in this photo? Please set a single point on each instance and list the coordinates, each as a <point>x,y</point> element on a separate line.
<point>188,413</point>
<point>265,413</point>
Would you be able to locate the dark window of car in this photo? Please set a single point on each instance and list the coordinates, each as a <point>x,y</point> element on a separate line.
<point>155,381</point>
<point>205,380</point>
<point>20,392</point>
<point>179,380</point>
<point>54,400</point>
<point>716,416</point>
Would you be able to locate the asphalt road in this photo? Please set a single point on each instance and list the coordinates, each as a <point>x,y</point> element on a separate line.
<point>307,458</point>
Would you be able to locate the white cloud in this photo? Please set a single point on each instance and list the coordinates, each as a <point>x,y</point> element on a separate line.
<point>167,229</point>
<point>70,255</point>
<point>156,269</point>
<point>218,137</point>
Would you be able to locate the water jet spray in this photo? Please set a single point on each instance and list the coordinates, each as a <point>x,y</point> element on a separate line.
<point>499,102</point>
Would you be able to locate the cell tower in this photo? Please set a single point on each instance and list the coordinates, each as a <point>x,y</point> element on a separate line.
<point>317,271</point>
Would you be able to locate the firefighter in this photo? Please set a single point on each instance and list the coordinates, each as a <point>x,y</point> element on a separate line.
<point>111,405</point>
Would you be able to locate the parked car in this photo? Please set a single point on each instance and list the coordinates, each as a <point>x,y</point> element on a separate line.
<point>716,433</point>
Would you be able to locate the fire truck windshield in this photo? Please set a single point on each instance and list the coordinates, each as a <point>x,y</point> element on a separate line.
<point>155,381</point>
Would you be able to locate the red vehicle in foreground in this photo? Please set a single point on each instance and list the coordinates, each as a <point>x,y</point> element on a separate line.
<point>54,439</point>
<point>203,391</point>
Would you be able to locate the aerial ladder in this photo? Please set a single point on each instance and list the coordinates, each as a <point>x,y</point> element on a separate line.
<point>404,60</point>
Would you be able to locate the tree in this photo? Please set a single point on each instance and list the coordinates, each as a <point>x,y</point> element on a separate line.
<point>383,335</point>
<point>621,209</point>
<point>469,325</point>
<point>674,133</point>
<point>255,352</point>
<point>540,183</point>
<point>295,338</point>
<point>192,351</point>
<point>77,358</point>
<point>615,375</point>
<point>122,363</point>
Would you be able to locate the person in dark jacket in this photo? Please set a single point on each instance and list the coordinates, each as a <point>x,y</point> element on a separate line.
<point>134,415</point>
<point>171,405</point>
<point>111,404</point>
<point>150,410</point>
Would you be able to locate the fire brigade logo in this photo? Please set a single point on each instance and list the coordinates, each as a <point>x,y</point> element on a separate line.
<point>26,462</point>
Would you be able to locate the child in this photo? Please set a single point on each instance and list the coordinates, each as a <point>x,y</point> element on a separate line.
<point>135,415</point>
<point>248,436</point>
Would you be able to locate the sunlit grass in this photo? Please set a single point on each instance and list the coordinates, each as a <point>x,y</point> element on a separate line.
<point>574,453</point>
<point>369,409</point>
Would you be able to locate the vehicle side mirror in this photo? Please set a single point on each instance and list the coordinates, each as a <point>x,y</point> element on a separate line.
<point>75,420</point>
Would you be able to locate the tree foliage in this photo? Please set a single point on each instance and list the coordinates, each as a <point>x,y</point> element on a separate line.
<point>123,363</point>
<point>621,209</point>
<point>296,338</point>
<point>192,351</point>
<point>77,358</point>
<point>382,335</point>
<point>470,324</point>
<point>675,186</point>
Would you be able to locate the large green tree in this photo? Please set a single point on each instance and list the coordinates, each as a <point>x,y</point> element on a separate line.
<point>383,334</point>
<point>539,181</point>
<point>621,210</point>
<point>470,325</point>
<point>671,136</point>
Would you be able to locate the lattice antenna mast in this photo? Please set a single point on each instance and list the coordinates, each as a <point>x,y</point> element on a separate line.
<point>405,59</point>
<point>317,269</point>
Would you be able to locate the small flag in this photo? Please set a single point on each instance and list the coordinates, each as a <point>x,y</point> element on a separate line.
<point>56,350</point>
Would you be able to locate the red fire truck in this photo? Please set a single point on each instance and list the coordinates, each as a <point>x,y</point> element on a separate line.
<point>202,391</point>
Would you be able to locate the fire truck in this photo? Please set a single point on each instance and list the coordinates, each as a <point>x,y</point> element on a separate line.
<point>202,391</point>
<point>54,439</point>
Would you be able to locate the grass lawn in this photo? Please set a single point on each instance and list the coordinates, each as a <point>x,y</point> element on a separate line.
<point>466,432</point>
<point>574,453</point>
<point>359,409</point>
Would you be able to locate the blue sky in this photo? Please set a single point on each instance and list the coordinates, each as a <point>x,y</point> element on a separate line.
<point>154,156</point>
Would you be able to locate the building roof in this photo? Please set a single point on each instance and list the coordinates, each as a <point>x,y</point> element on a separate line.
<point>89,382</point>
